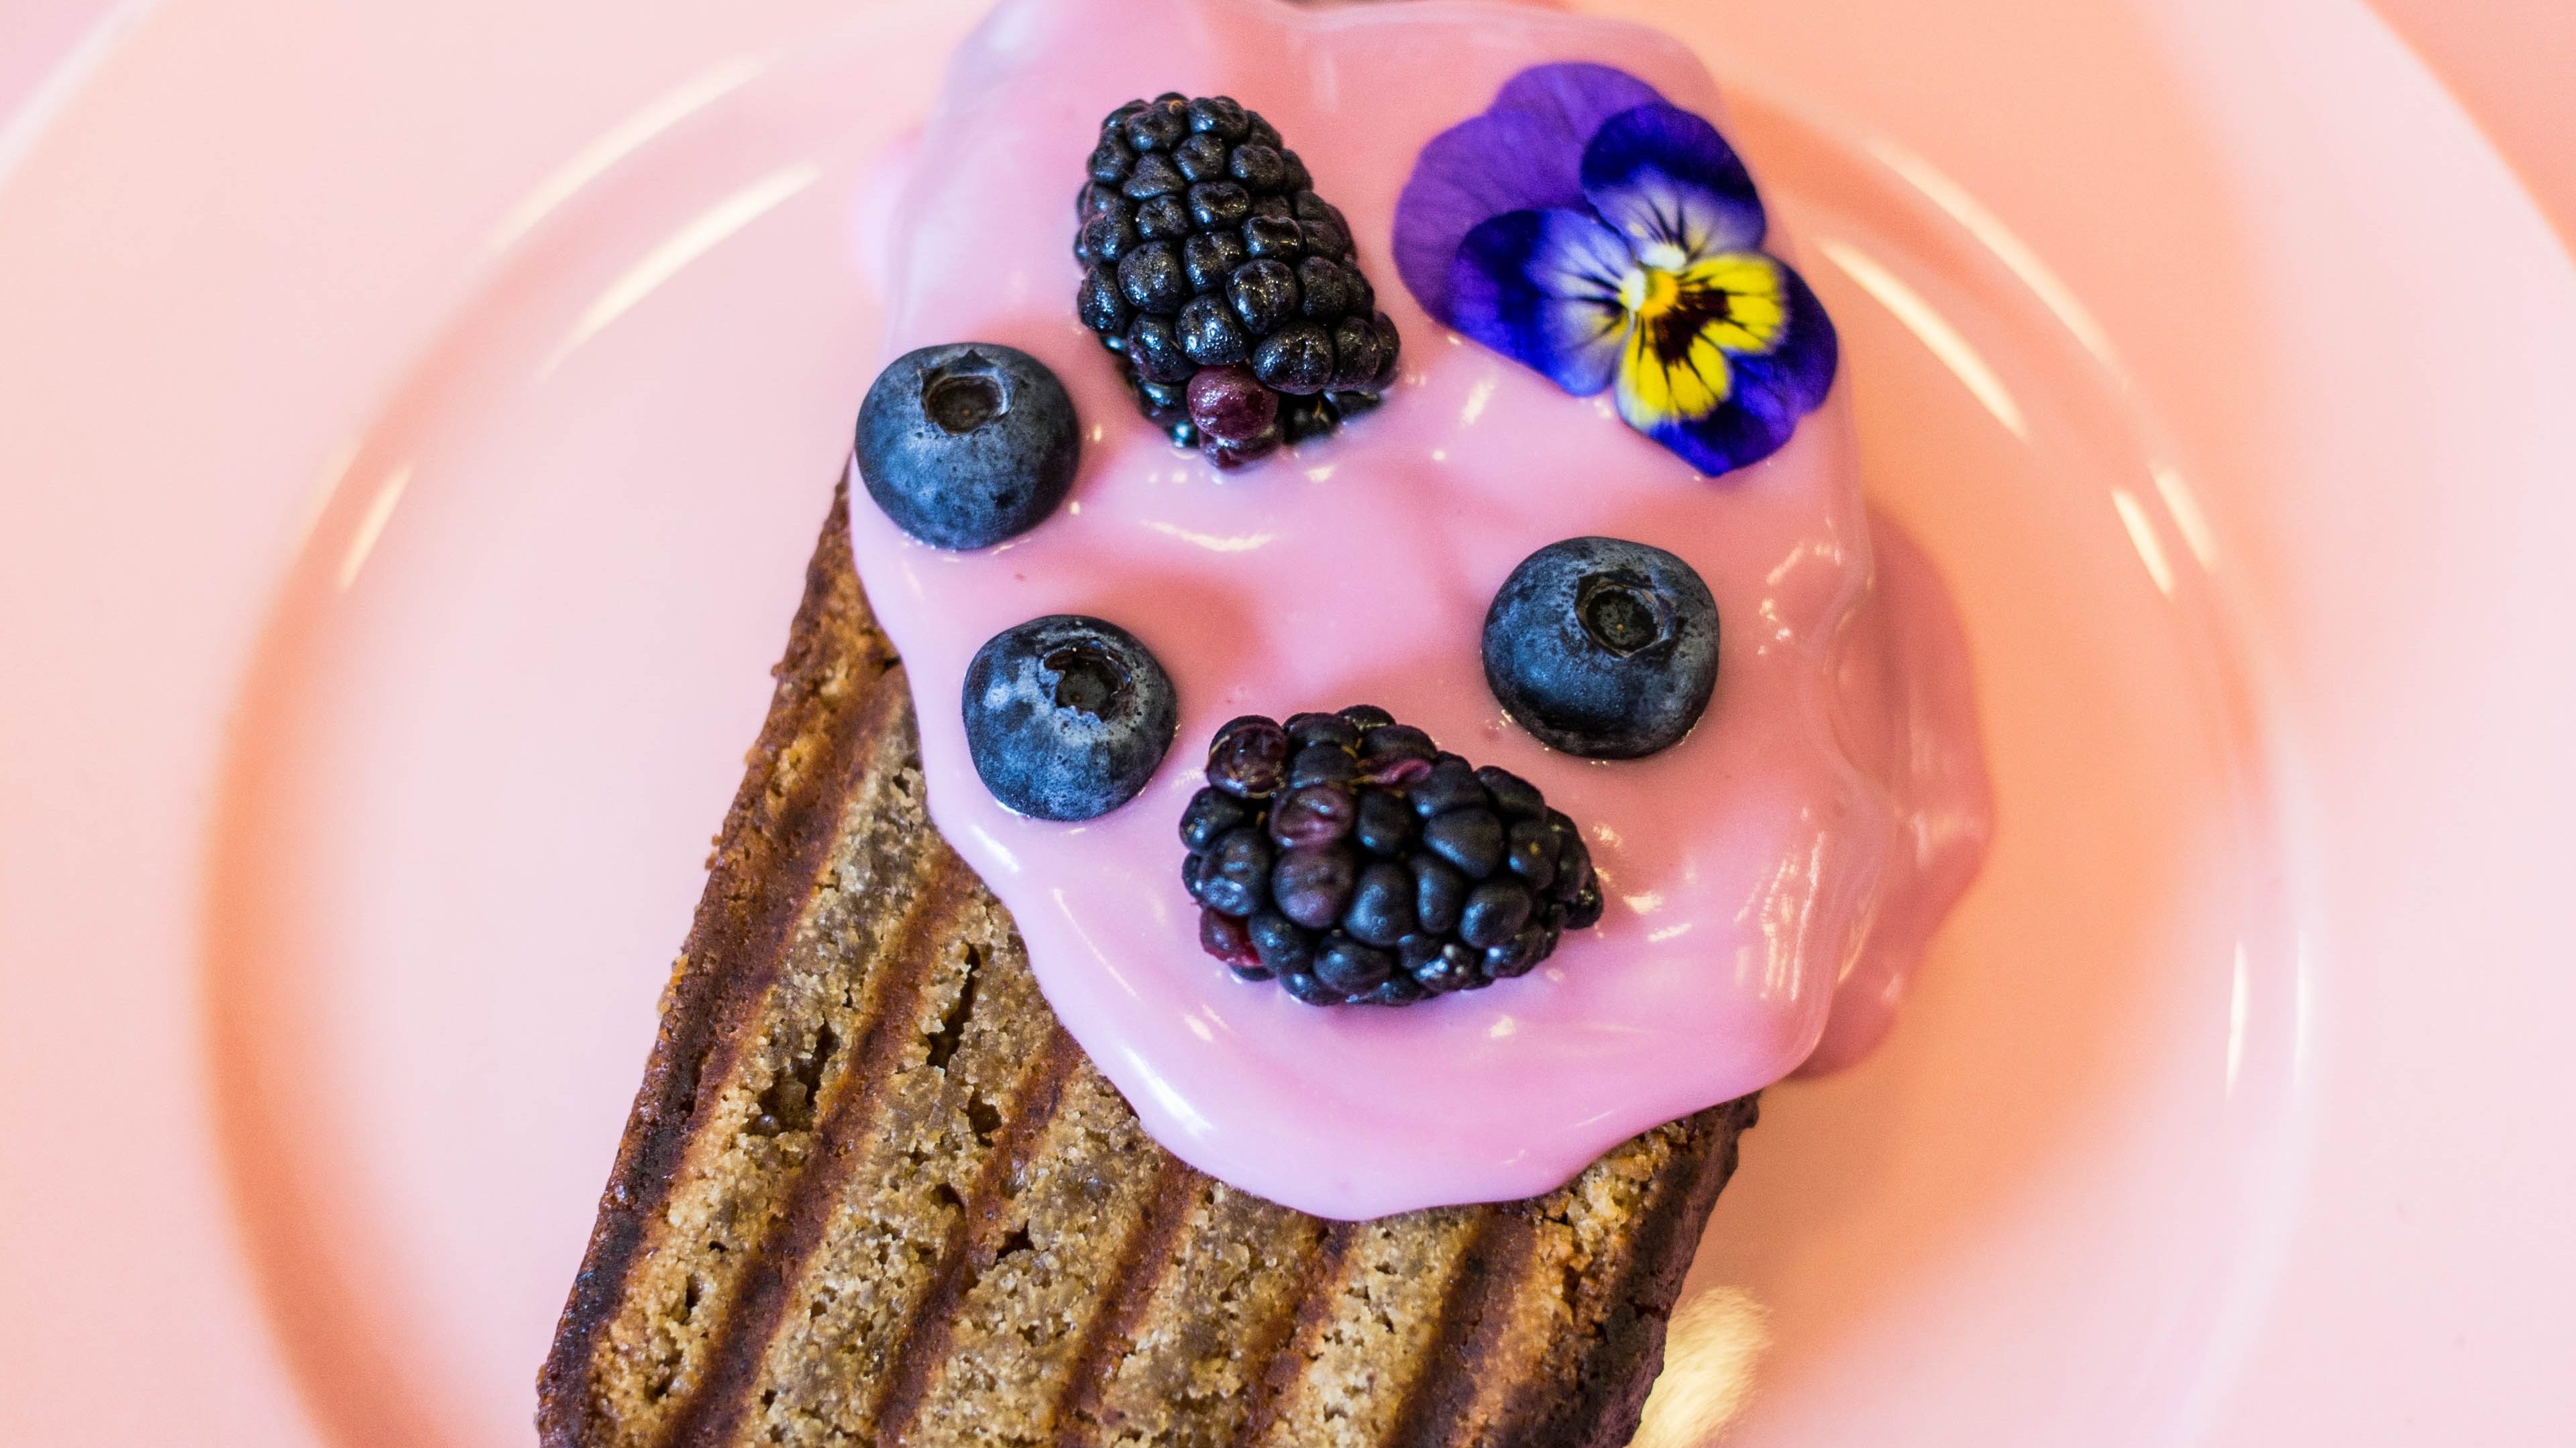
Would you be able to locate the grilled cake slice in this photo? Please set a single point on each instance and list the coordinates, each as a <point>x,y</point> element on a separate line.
<point>871,1193</point>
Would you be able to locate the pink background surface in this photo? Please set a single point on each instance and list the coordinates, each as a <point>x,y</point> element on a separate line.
<point>2506,60</point>
<point>2416,1288</point>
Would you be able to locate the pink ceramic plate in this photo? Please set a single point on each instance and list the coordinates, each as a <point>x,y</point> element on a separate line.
<point>413,421</point>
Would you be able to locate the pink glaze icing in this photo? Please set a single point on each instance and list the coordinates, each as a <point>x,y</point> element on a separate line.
<point>1771,880</point>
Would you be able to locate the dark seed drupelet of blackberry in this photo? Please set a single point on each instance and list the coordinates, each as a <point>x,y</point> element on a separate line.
<point>1345,856</point>
<point>1204,245</point>
<point>1249,757</point>
<point>1225,937</point>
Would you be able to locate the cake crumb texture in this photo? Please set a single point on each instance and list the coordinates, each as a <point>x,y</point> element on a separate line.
<point>871,1194</point>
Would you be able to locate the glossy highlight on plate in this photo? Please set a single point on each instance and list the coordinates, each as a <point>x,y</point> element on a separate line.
<point>1811,829</point>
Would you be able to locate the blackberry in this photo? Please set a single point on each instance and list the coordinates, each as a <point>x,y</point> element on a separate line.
<point>1351,860</point>
<point>1228,289</point>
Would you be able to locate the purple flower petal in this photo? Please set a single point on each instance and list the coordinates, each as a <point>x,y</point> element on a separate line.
<point>1573,98</point>
<point>1542,287</point>
<point>1665,178</point>
<point>1525,153</point>
<point>1769,392</point>
<point>1475,171</point>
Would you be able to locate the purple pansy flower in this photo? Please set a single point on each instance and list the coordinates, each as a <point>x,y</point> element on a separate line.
<point>1587,227</point>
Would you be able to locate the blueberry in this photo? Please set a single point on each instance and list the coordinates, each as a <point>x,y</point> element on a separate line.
<point>1603,648</point>
<point>965,445</point>
<point>1067,717</point>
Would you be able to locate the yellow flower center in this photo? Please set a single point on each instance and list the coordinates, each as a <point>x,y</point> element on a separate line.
<point>1650,292</point>
<point>1687,323</point>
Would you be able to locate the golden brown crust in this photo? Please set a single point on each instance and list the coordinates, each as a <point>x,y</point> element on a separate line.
<point>871,1193</point>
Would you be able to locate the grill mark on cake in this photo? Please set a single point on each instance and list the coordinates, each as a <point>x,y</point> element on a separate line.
<point>1194,1363</point>
<point>1151,1259</point>
<point>1272,1337</point>
<point>1459,1364</point>
<point>908,954</point>
<point>924,1340</point>
<point>1018,1328</point>
<point>1313,1309</point>
<point>899,1200</point>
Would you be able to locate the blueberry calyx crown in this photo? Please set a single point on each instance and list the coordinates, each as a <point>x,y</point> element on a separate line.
<point>1229,290</point>
<point>1352,860</point>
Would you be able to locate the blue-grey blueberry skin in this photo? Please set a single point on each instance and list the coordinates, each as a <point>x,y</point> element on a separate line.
<point>1038,748</point>
<point>967,444</point>
<point>1573,691</point>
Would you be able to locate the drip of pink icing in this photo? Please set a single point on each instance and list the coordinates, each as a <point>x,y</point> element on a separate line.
<point>1809,834</point>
